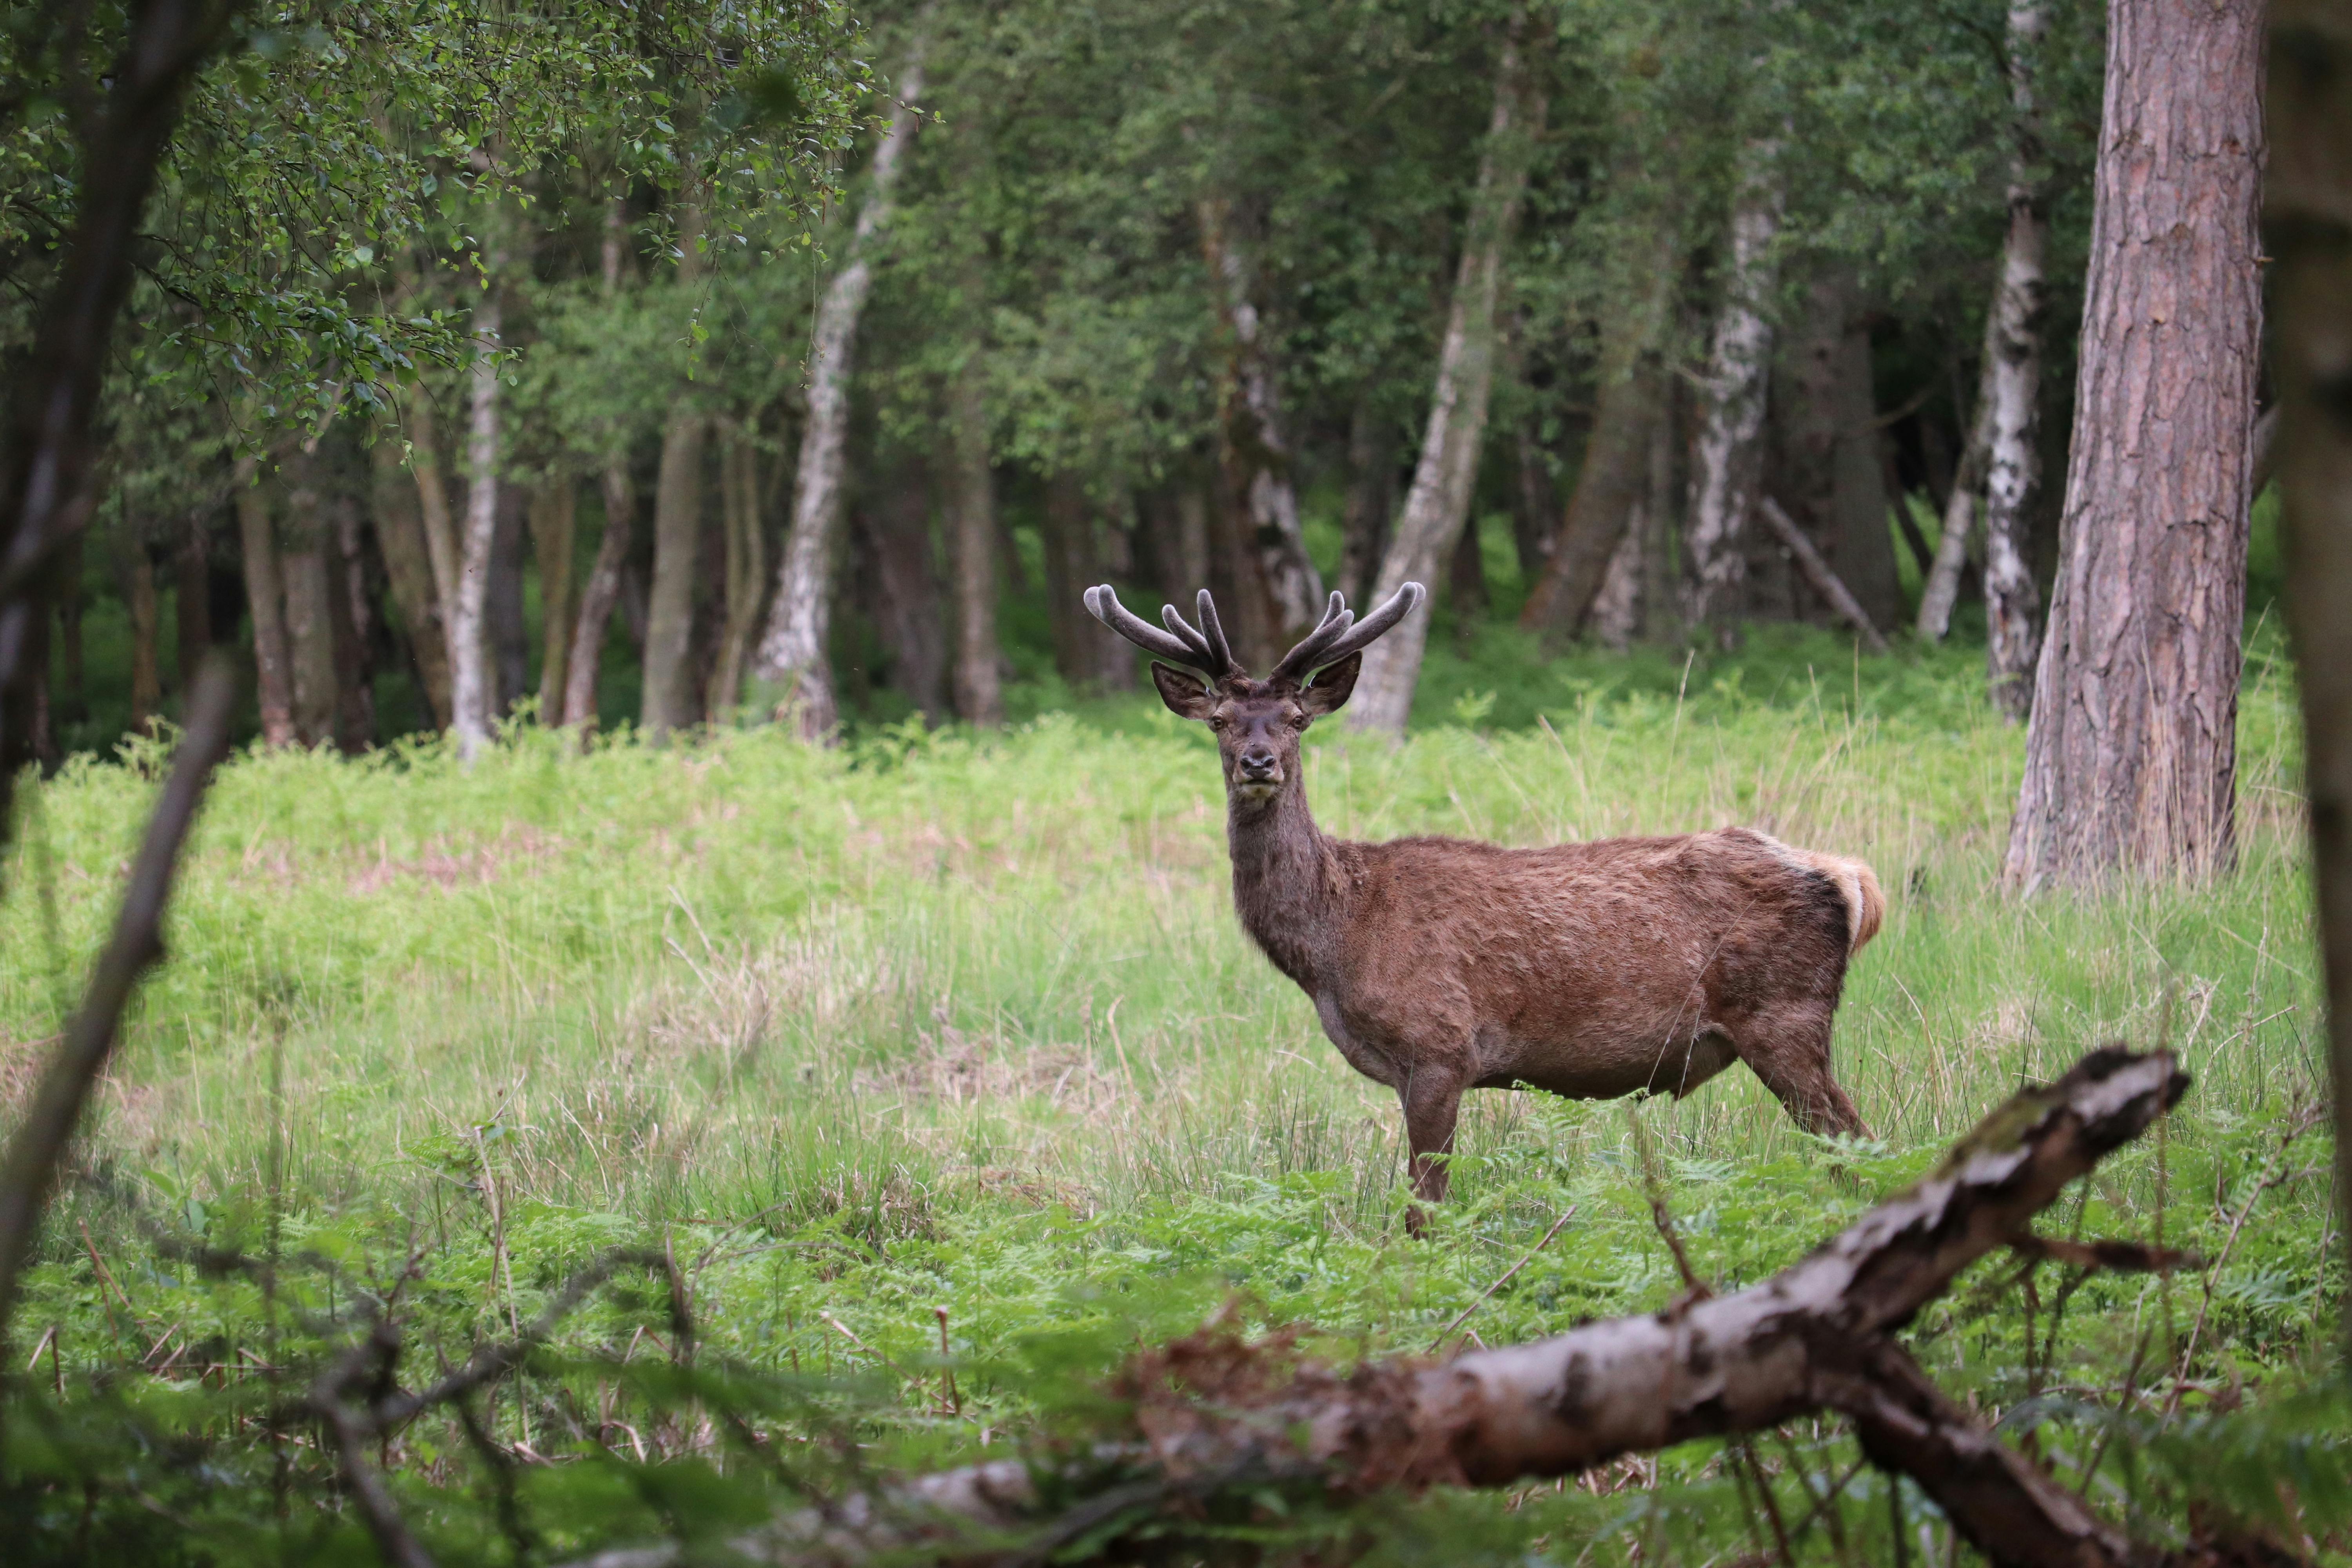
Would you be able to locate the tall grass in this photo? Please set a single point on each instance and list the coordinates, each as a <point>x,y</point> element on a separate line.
<point>942,1020</point>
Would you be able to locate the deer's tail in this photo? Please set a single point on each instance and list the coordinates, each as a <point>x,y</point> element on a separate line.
<point>1865,901</point>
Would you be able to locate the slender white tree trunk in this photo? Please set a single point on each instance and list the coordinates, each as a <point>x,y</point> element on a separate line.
<point>1942,588</point>
<point>1726,461</point>
<point>792,676</point>
<point>469,668</point>
<point>1254,425</point>
<point>2013,358</point>
<point>1439,502</point>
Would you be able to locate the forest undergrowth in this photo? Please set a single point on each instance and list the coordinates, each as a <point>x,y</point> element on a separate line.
<point>938,1073</point>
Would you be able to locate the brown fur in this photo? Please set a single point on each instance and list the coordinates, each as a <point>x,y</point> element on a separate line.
<point>1590,970</point>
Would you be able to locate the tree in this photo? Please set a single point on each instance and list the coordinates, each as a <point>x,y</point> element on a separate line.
<point>2131,749</point>
<point>1438,504</point>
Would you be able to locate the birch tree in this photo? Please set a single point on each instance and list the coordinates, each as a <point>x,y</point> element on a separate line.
<point>471,698</point>
<point>1438,504</point>
<point>1727,459</point>
<point>795,681</point>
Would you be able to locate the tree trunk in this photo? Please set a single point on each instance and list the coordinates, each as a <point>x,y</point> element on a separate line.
<point>265,598</point>
<point>668,701</point>
<point>1942,590</point>
<point>192,594</point>
<point>146,677</point>
<point>1439,502</point>
<point>471,696</point>
<point>2013,356</point>
<point>1830,470</point>
<point>309,589</point>
<point>2307,227</point>
<point>437,529</point>
<point>1251,444</point>
<point>509,627</point>
<point>350,612</point>
<point>1865,548</point>
<point>1371,499</point>
<point>400,535</point>
<point>71,600</point>
<point>1662,555</point>
<point>2130,757</point>
<point>980,697</point>
<point>602,592</point>
<point>1728,459</point>
<point>792,668</point>
<point>1630,400</point>
<point>1466,581</point>
<point>912,617</point>
<point>746,570</point>
<point>1071,568</point>
<point>1616,617</point>
<point>554,526</point>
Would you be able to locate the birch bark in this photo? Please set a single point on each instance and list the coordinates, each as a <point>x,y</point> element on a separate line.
<point>2131,751</point>
<point>1439,502</point>
<point>1729,458</point>
<point>792,669</point>
<point>2013,362</point>
<point>470,698</point>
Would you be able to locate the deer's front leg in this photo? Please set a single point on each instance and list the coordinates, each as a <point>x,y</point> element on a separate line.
<point>1432,1100</point>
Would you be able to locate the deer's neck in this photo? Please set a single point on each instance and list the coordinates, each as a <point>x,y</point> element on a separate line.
<point>1286,883</point>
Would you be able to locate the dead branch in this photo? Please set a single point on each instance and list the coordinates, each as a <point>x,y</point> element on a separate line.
<point>137,944</point>
<point>1825,582</point>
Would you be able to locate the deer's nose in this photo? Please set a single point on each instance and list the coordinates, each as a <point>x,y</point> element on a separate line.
<point>1259,764</point>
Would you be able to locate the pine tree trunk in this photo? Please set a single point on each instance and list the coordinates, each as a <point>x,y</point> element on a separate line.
<point>146,677</point>
<point>192,594</point>
<point>1630,400</point>
<point>597,597</point>
<point>264,598</point>
<point>2130,757</point>
<point>746,571</point>
<point>1439,502</point>
<point>1251,442</point>
<point>2307,227</point>
<point>472,697</point>
<point>400,535</point>
<point>554,526</point>
<point>1728,458</point>
<point>980,697</point>
<point>791,666</point>
<point>668,699</point>
<point>309,615</point>
<point>2013,355</point>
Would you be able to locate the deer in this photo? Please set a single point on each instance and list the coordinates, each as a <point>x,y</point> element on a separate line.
<point>1436,966</point>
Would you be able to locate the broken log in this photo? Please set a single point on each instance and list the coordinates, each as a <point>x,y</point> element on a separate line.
<point>1825,582</point>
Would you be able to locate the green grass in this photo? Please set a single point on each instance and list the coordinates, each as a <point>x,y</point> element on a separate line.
<point>940,1021</point>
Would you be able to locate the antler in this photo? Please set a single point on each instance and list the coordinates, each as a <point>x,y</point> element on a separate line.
<point>1204,650</point>
<point>1341,634</point>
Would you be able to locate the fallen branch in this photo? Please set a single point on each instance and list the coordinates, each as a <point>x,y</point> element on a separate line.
<point>1817,571</point>
<point>31,1167</point>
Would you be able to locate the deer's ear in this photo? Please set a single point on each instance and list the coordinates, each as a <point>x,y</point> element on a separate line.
<point>1332,686</point>
<point>1187,695</point>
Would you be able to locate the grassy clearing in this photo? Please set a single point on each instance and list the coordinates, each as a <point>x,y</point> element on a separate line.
<point>932,1022</point>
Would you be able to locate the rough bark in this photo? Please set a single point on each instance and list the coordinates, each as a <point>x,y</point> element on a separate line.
<point>1629,400</point>
<point>471,695</point>
<point>1364,512</point>
<point>791,666</point>
<point>2131,754</point>
<point>746,583</point>
<point>146,674</point>
<point>2013,358</point>
<point>1728,459</point>
<point>911,614</point>
<point>670,700</point>
<point>978,692</point>
<point>265,598</point>
<point>400,537</point>
<point>1253,447</point>
<point>597,599</point>
<point>1438,504</point>
<point>2307,228</point>
<point>554,528</point>
<point>309,587</point>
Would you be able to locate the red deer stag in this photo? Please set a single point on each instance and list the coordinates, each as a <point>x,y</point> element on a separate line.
<point>1439,964</point>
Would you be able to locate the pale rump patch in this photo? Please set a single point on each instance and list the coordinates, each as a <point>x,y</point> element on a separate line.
<point>1865,901</point>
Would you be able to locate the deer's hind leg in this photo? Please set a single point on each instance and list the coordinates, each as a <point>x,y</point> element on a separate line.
<point>1787,1043</point>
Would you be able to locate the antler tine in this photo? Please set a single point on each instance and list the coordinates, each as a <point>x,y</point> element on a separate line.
<point>1103,603</point>
<point>1210,628</point>
<point>1183,629</point>
<point>1400,605</point>
<point>1337,618</point>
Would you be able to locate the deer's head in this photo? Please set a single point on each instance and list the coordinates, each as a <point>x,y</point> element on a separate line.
<point>1257,723</point>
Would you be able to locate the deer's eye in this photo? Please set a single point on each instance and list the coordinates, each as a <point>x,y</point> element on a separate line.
<point>1216,721</point>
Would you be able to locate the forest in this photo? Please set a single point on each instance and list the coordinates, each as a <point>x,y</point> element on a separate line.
<point>610,953</point>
